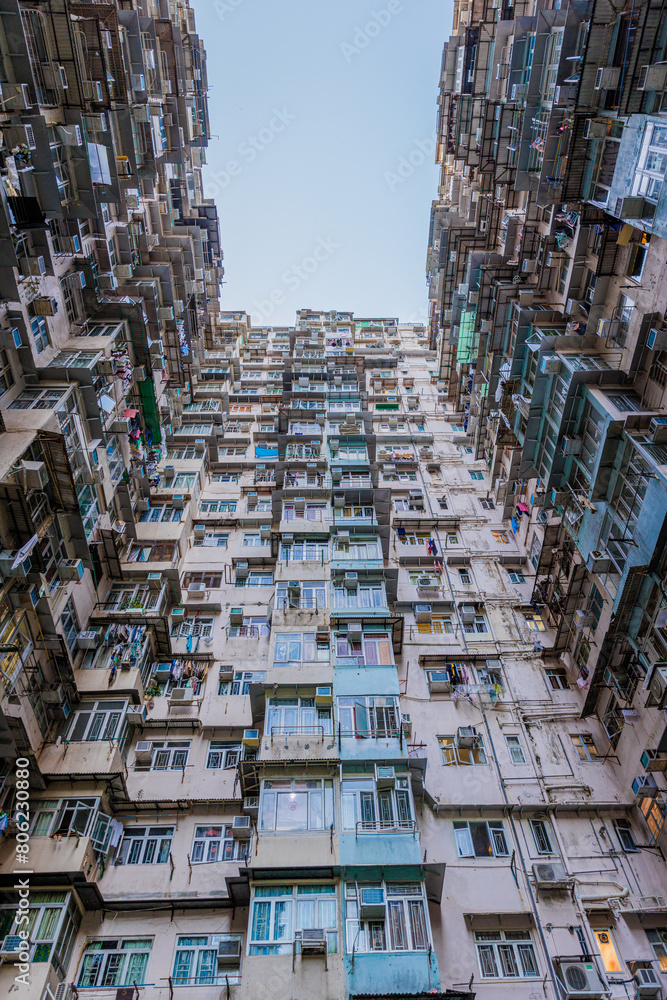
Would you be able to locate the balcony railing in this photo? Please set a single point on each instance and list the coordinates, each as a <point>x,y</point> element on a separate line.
<point>316,731</point>
<point>386,826</point>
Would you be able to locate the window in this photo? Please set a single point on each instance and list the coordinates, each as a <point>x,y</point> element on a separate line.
<point>464,577</point>
<point>69,624</point>
<point>297,716</point>
<point>453,753</point>
<point>584,745</point>
<point>217,507</point>
<point>366,595</point>
<point>515,748</point>
<point>38,399</point>
<point>252,628</point>
<point>500,537</point>
<point>241,682</point>
<point>369,718</point>
<point>658,940</point>
<point>52,925</point>
<point>209,581</point>
<point>215,539</point>
<point>534,622</point>
<point>223,755</point>
<point>608,952</point>
<point>311,596</point>
<point>224,477</point>
<point>478,625</point>
<point>557,678</point>
<point>368,650</point>
<point>453,539</point>
<point>169,755</point>
<point>255,578</point>
<point>487,504</point>
<point>516,578</point>
<point>253,539</point>
<point>196,961</point>
<point>40,333</point>
<point>216,843</point>
<point>115,962</point>
<point>303,550</point>
<point>506,955</point>
<point>366,808</point>
<point>161,513</point>
<point>625,835</point>
<point>415,576</point>
<point>443,503</point>
<point>97,720</point>
<point>280,912</point>
<point>153,552</point>
<point>438,625</point>
<point>476,475</point>
<point>288,805</point>
<point>480,840</point>
<point>541,836</point>
<point>294,648</point>
<point>195,628</point>
<point>652,165</point>
<point>404,928</point>
<point>146,845</point>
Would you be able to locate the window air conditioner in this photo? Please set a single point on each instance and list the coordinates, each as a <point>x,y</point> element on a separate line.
<point>324,695</point>
<point>439,682</point>
<point>657,685</point>
<point>88,640</point>
<point>135,715</point>
<point>351,581</point>
<point>466,737</point>
<point>371,904</point>
<point>143,752</point>
<point>644,787</point>
<point>313,941</point>
<point>250,738</point>
<point>229,951</point>
<point>181,696</point>
<point>422,613</point>
<point>385,777</point>
<point>406,724</point>
<point>71,569</point>
<point>241,828</point>
<point>251,805</point>
<point>13,943</point>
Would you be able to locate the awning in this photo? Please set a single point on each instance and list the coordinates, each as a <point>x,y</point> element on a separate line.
<point>517,921</point>
<point>107,403</point>
<point>130,413</point>
<point>523,507</point>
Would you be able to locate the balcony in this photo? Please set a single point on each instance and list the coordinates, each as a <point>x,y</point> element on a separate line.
<point>85,760</point>
<point>72,856</point>
<point>299,743</point>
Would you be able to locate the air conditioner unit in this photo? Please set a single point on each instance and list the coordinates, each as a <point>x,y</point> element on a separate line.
<point>422,613</point>
<point>550,366</point>
<point>466,737</point>
<point>529,266</point>
<point>657,685</point>
<point>123,425</point>
<point>135,715</point>
<point>428,583</point>
<point>250,738</point>
<point>633,208</point>
<point>371,904</point>
<point>242,569</point>
<point>324,695</point>
<point>439,682</point>
<point>15,97</point>
<point>583,619</point>
<point>313,941</point>
<point>199,531</point>
<point>467,614</point>
<point>178,501</point>
<point>35,475</point>
<point>594,129</point>
<point>229,951</point>
<point>294,587</point>
<point>265,532</point>
<point>571,445</point>
<point>406,724</point>
<point>596,562</point>
<point>581,979</point>
<point>550,875</point>
<point>71,569</point>
<point>88,640</point>
<point>653,77</point>
<point>657,430</point>
<point>236,614</point>
<point>178,614</point>
<point>351,581</point>
<point>339,502</point>
<point>607,77</point>
<point>644,787</point>
<point>13,943</point>
<point>181,696</point>
<point>648,984</point>
<point>124,270</point>
<point>196,589</point>
<point>241,827</point>
<point>385,777</point>
<point>143,752</point>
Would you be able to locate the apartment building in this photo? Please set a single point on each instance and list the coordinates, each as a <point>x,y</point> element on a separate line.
<point>333,651</point>
<point>547,312</point>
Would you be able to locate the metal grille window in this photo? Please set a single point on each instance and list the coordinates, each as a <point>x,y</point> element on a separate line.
<point>241,682</point>
<point>305,551</point>
<point>297,716</point>
<point>365,807</point>
<point>650,174</point>
<point>223,756</point>
<point>255,578</point>
<point>365,596</point>
<point>210,581</point>
<point>311,595</point>
<point>252,628</point>
<point>404,925</point>
<point>214,539</point>
<point>294,648</point>
<point>52,924</point>
<point>37,399</point>
<point>198,628</point>
<point>541,836</point>
<point>218,507</point>
<point>506,955</point>
<point>369,718</point>
<point>557,678</point>
<point>369,650</point>
<point>477,839</point>
<point>169,755</point>
<point>216,843</point>
<point>145,845</point>
<point>115,962</point>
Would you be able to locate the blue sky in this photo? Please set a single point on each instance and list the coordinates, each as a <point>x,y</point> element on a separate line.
<point>323,162</point>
